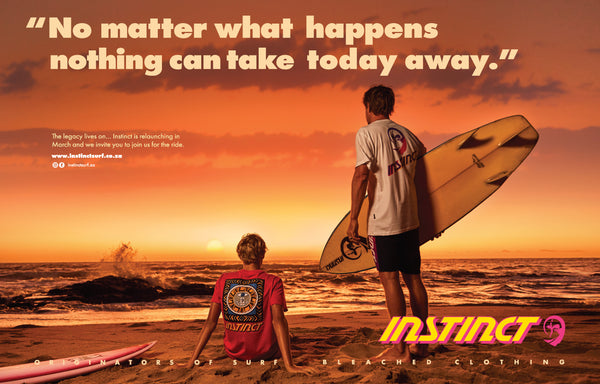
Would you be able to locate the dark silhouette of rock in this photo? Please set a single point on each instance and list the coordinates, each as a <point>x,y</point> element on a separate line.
<point>105,290</point>
<point>190,290</point>
<point>108,289</point>
<point>21,302</point>
<point>113,289</point>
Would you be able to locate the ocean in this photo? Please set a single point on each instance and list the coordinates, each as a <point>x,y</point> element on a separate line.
<point>552,282</point>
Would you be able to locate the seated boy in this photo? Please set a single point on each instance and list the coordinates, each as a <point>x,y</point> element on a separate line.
<point>252,302</point>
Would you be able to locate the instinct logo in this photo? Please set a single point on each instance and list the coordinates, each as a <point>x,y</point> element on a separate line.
<point>554,328</point>
<point>398,140</point>
<point>486,330</point>
<point>351,250</point>
<point>400,145</point>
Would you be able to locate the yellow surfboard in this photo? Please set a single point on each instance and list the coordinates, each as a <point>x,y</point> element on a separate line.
<point>451,181</point>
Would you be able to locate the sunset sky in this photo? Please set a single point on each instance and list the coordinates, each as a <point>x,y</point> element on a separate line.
<point>271,151</point>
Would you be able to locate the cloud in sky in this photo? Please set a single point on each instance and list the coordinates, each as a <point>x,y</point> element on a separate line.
<point>272,153</point>
<point>319,149</point>
<point>297,77</point>
<point>18,77</point>
<point>461,84</point>
<point>283,149</point>
<point>504,84</point>
<point>490,85</point>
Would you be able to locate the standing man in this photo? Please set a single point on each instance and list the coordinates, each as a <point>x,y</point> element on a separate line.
<point>386,156</point>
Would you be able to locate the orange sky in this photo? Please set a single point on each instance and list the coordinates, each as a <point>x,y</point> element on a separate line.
<point>272,151</point>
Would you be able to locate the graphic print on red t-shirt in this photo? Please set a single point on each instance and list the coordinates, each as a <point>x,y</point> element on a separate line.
<point>246,298</point>
<point>243,301</point>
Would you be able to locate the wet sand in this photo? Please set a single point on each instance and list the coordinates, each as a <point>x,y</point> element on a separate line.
<point>339,346</point>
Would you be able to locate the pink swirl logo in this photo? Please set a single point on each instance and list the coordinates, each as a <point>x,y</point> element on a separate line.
<point>554,328</point>
<point>398,141</point>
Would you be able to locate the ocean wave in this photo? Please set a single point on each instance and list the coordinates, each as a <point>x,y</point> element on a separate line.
<point>463,273</point>
<point>449,282</point>
<point>45,275</point>
<point>347,279</point>
<point>509,288</point>
<point>104,290</point>
<point>200,279</point>
<point>536,275</point>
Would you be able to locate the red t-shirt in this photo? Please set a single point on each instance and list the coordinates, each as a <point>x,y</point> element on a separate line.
<point>246,298</point>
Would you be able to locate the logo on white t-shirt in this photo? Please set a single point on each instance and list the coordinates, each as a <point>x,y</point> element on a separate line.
<point>398,140</point>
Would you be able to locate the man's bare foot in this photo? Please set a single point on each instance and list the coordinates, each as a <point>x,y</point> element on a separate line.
<point>419,351</point>
<point>394,353</point>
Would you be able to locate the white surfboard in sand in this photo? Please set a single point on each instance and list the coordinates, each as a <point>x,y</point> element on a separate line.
<point>451,181</point>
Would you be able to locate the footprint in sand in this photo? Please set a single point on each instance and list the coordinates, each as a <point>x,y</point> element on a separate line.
<point>360,350</point>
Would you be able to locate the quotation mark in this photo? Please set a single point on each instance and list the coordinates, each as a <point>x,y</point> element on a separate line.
<point>506,54</point>
<point>35,22</point>
<point>510,53</point>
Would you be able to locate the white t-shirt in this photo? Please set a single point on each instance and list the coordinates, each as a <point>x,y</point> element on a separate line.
<point>391,152</point>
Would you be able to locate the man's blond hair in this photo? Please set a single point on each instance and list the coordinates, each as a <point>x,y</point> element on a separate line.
<point>251,248</point>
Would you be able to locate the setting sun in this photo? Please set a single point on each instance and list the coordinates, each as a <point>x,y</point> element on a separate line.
<point>214,246</point>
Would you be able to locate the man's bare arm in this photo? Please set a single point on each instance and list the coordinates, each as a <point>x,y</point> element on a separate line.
<point>359,188</point>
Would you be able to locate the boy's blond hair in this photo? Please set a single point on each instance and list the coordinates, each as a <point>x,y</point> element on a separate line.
<point>251,248</point>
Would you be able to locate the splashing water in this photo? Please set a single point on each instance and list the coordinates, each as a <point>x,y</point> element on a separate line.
<point>123,263</point>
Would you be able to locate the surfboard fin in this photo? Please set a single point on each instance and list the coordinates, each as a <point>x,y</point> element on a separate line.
<point>498,178</point>
<point>516,140</point>
<point>471,141</point>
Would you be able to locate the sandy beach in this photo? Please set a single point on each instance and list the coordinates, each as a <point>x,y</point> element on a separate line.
<point>340,346</point>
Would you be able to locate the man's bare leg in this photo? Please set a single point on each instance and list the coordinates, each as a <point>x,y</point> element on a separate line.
<point>396,304</point>
<point>419,304</point>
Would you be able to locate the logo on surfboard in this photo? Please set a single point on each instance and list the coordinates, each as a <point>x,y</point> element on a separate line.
<point>353,250</point>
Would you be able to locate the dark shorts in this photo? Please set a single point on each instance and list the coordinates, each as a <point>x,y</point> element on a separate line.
<point>397,252</point>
